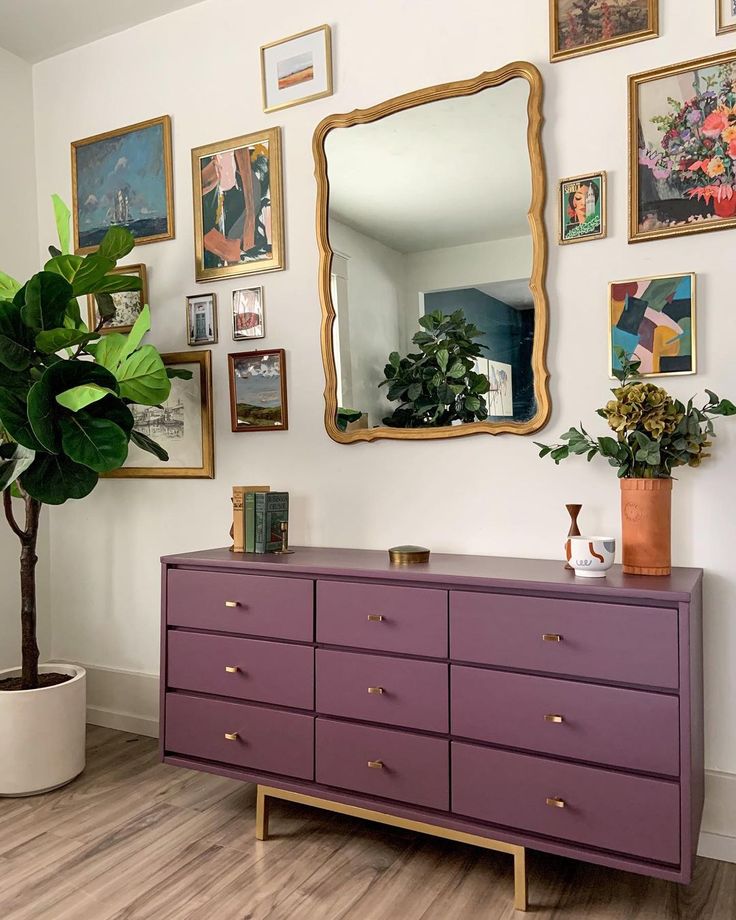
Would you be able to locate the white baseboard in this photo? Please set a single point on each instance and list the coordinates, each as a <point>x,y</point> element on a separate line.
<point>718,832</point>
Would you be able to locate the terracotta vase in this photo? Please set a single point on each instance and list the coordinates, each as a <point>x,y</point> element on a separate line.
<point>646,521</point>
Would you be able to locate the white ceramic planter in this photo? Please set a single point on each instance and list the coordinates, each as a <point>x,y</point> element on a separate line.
<point>42,733</point>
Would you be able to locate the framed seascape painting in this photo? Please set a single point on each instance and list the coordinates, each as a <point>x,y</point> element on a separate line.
<point>248,320</point>
<point>582,208</point>
<point>202,319</point>
<point>584,26</point>
<point>238,206</point>
<point>297,69</point>
<point>183,425</point>
<point>258,390</point>
<point>123,178</point>
<point>682,158</point>
<point>725,16</point>
<point>653,319</point>
<point>128,304</point>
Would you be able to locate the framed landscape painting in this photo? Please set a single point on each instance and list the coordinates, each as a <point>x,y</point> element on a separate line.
<point>682,158</point>
<point>123,178</point>
<point>582,208</point>
<point>725,16</point>
<point>238,206</point>
<point>584,26</point>
<point>128,304</point>
<point>297,69</point>
<point>258,390</point>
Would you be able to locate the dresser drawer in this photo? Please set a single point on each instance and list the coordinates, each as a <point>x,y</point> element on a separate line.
<point>375,688</point>
<point>254,605</point>
<point>268,672</point>
<point>382,617</point>
<point>612,642</point>
<point>627,814</point>
<point>267,739</point>
<point>408,768</point>
<point>608,725</point>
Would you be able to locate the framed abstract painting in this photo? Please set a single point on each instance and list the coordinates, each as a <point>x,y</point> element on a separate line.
<point>682,157</point>
<point>585,26</point>
<point>128,304</point>
<point>582,208</point>
<point>258,390</point>
<point>297,69</point>
<point>725,16</point>
<point>238,206</point>
<point>654,320</point>
<point>123,178</point>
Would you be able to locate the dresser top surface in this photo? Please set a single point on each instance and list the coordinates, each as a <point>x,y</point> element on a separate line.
<point>453,570</point>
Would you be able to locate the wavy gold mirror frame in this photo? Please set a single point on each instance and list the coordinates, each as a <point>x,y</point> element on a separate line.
<point>519,69</point>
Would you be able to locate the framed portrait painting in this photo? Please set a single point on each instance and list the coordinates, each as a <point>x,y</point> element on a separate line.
<point>123,178</point>
<point>258,390</point>
<point>183,426</point>
<point>202,319</point>
<point>238,206</point>
<point>248,320</point>
<point>297,69</point>
<point>682,157</point>
<point>653,320</point>
<point>582,208</point>
<point>128,304</point>
<point>585,26</point>
<point>725,16</point>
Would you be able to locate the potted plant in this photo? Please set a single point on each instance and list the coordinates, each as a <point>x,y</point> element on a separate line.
<point>65,418</point>
<point>654,434</point>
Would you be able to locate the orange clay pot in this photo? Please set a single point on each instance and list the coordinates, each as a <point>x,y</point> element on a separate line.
<point>646,519</point>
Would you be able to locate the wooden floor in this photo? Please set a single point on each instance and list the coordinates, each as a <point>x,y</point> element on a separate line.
<point>133,839</point>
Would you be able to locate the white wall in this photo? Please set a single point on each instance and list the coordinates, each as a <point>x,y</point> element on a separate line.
<point>376,495</point>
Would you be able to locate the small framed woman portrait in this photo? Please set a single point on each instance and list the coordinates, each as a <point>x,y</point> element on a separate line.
<point>258,390</point>
<point>202,319</point>
<point>248,320</point>
<point>128,304</point>
<point>582,208</point>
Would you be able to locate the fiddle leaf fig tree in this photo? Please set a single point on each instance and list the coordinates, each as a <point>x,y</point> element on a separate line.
<point>66,393</point>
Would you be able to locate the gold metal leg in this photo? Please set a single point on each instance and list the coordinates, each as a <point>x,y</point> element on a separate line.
<point>262,805</point>
<point>520,890</point>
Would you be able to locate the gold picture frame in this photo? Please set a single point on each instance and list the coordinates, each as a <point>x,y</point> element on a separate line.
<point>93,317</point>
<point>556,53</point>
<point>210,244</point>
<point>327,64</point>
<point>721,27</point>
<point>122,203</point>
<point>206,470</point>
<point>602,203</point>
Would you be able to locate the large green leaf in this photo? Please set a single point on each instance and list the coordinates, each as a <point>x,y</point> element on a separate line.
<point>95,442</point>
<point>14,418</point>
<point>115,284</point>
<point>82,396</point>
<point>105,306</point>
<point>9,287</point>
<point>145,443</point>
<point>114,409</point>
<point>46,297</point>
<point>84,274</point>
<point>55,479</point>
<point>14,459</point>
<point>116,243</point>
<point>143,378</point>
<point>54,340</point>
<point>16,342</point>
<point>65,265</point>
<point>14,382</point>
<point>42,414</point>
<point>61,216</point>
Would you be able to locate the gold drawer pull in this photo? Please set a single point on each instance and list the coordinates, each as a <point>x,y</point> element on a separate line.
<point>376,618</point>
<point>376,690</point>
<point>232,603</point>
<point>556,802</point>
<point>553,718</point>
<point>230,669</point>
<point>375,764</point>
<point>231,736</point>
<point>552,637</point>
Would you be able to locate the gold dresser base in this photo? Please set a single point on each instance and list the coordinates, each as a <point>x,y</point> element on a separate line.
<point>264,793</point>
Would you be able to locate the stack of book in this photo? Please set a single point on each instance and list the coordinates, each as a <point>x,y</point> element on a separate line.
<point>260,518</point>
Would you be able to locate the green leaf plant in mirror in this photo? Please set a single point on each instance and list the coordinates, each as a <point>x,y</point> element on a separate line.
<point>65,393</point>
<point>438,385</point>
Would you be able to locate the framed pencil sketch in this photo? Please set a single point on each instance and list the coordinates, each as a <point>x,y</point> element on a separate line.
<point>248,321</point>
<point>585,26</point>
<point>258,390</point>
<point>297,69</point>
<point>128,304</point>
<point>123,178</point>
<point>202,319</point>
<point>582,208</point>
<point>725,16</point>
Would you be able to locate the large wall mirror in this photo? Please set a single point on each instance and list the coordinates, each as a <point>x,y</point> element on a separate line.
<point>433,260</point>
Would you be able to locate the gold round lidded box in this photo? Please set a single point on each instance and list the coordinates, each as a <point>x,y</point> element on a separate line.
<point>408,555</point>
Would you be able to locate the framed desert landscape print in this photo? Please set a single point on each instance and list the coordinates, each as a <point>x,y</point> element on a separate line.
<point>297,69</point>
<point>238,206</point>
<point>585,26</point>
<point>183,425</point>
<point>123,178</point>
<point>248,322</point>
<point>258,390</point>
<point>725,16</point>
<point>128,304</point>
<point>582,208</point>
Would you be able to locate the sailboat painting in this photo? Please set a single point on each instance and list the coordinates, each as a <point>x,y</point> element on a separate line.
<point>123,178</point>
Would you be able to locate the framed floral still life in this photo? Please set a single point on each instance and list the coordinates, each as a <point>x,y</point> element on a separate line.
<point>183,426</point>
<point>238,206</point>
<point>297,69</point>
<point>582,208</point>
<point>725,16</point>
<point>258,390</point>
<point>584,26</point>
<point>128,304</point>
<point>682,158</point>
<point>202,319</point>
<point>248,320</point>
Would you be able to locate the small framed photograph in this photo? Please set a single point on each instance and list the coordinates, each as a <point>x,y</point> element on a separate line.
<point>128,304</point>
<point>202,319</point>
<point>584,26</point>
<point>725,16</point>
<point>582,208</point>
<point>297,69</point>
<point>258,390</point>
<point>248,320</point>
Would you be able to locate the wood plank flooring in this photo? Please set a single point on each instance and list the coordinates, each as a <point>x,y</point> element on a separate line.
<point>133,839</point>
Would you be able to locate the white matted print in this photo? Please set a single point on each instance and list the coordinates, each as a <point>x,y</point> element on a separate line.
<point>248,321</point>
<point>725,16</point>
<point>202,319</point>
<point>297,69</point>
<point>500,397</point>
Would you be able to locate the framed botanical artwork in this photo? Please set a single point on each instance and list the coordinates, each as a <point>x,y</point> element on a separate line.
<point>258,390</point>
<point>584,26</point>
<point>123,178</point>
<point>297,69</point>
<point>725,16</point>
<point>183,425</point>
<point>238,206</point>
<point>682,157</point>
<point>248,320</point>
<point>128,304</point>
<point>654,320</point>
<point>202,319</point>
<point>582,208</point>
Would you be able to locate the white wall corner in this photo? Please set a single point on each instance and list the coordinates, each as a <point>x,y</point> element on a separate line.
<point>718,831</point>
<point>125,700</point>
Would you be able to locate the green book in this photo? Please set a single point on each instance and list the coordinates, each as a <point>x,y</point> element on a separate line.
<point>259,521</point>
<point>250,522</point>
<point>271,509</point>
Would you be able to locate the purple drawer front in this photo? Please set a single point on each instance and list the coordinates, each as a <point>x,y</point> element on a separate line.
<point>627,814</point>
<point>253,605</point>
<point>268,672</point>
<point>414,620</point>
<point>636,645</point>
<point>267,739</point>
<point>608,725</point>
<point>414,693</point>
<point>415,768</point>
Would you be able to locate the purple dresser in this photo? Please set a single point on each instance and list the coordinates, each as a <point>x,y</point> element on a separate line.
<point>502,698</point>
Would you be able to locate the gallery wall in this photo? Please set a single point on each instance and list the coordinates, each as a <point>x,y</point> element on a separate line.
<point>470,495</point>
